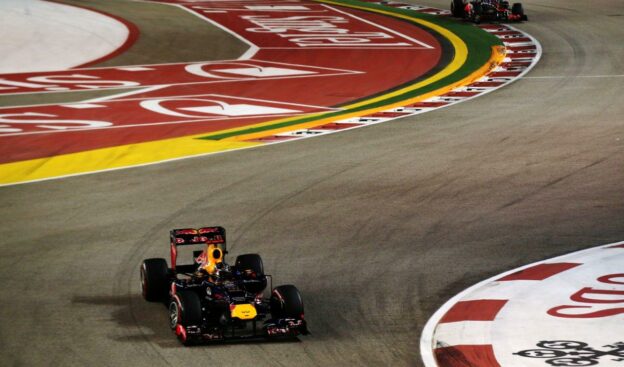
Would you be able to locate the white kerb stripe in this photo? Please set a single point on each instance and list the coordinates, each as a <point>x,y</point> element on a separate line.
<point>463,333</point>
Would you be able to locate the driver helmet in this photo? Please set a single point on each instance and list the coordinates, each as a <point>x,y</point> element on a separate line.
<point>214,256</point>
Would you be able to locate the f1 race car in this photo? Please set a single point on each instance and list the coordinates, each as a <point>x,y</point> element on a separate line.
<point>492,10</point>
<point>219,301</point>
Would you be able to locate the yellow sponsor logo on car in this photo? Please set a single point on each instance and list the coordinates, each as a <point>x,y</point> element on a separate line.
<point>243,311</point>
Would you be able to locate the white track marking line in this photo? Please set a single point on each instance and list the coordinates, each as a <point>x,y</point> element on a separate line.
<point>317,69</point>
<point>316,109</point>
<point>115,96</point>
<point>159,86</point>
<point>424,45</point>
<point>110,100</point>
<point>344,47</point>
<point>186,63</point>
<point>206,119</point>
<point>253,49</point>
<point>276,102</point>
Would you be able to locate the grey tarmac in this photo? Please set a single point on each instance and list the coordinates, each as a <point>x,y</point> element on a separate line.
<point>378,226</point>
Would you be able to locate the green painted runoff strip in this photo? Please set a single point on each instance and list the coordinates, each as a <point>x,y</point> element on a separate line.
<point>478,42</point>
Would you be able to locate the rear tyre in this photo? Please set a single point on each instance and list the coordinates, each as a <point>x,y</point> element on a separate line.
<point>286,303</point>
<point>252,262</point>
<point>184,310</point>
<point>154,280</point>
<point>477,10</point>
<point>457,8</point>
<point>517,9</point>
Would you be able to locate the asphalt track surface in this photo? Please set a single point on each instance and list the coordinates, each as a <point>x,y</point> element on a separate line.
<point>377,226</point>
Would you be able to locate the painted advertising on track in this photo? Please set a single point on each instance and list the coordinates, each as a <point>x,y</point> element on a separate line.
<point>303,58</point>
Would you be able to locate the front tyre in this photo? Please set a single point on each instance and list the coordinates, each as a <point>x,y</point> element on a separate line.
<point>184,310</point>
<point>457,8</point>
<point>154,280</point>
<point>518,11</point>
<point>476,13</point>
<point>252,267</point>
<point>286,303</point>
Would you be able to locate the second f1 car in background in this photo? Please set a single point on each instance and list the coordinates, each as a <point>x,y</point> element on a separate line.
<point>488,10</point>
<point>210,300</point>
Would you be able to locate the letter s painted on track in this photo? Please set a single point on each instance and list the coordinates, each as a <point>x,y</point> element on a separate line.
<point>556,311</point>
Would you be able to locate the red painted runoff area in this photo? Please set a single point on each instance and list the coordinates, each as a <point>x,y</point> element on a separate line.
<point>304,57</point>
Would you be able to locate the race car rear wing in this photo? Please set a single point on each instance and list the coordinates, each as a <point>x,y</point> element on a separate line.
<point>192,236</point>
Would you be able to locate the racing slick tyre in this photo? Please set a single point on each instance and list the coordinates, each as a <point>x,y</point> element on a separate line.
<point>184,310</point>
<point>457,8</point>
<point>286,303</point>
<point>154,280</point>
<point>477,10</point>
<point>252,262</point>
<point>517,9</point>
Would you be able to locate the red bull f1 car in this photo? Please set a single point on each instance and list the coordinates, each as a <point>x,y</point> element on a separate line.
<point>223,302</point>
<point>488,10</point>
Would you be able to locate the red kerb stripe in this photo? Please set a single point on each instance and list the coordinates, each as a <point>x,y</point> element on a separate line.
<point>466,356</point>
<point>486,84</point>
<point>617,246</point>
<point>460,94</point>
<point>503,74</point>
<point>492,26</point>
<point>539,272</point>
<point>272,138</point>
<point>427,104</point>
<point>388,114</point>
<point>517,40</point>
<point>477,310</point>
<point>335,126</point>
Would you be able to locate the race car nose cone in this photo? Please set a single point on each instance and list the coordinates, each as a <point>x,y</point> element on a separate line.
<point>243,311</point>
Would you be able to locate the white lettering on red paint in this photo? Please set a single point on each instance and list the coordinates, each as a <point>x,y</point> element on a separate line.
<point>318,31</point>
